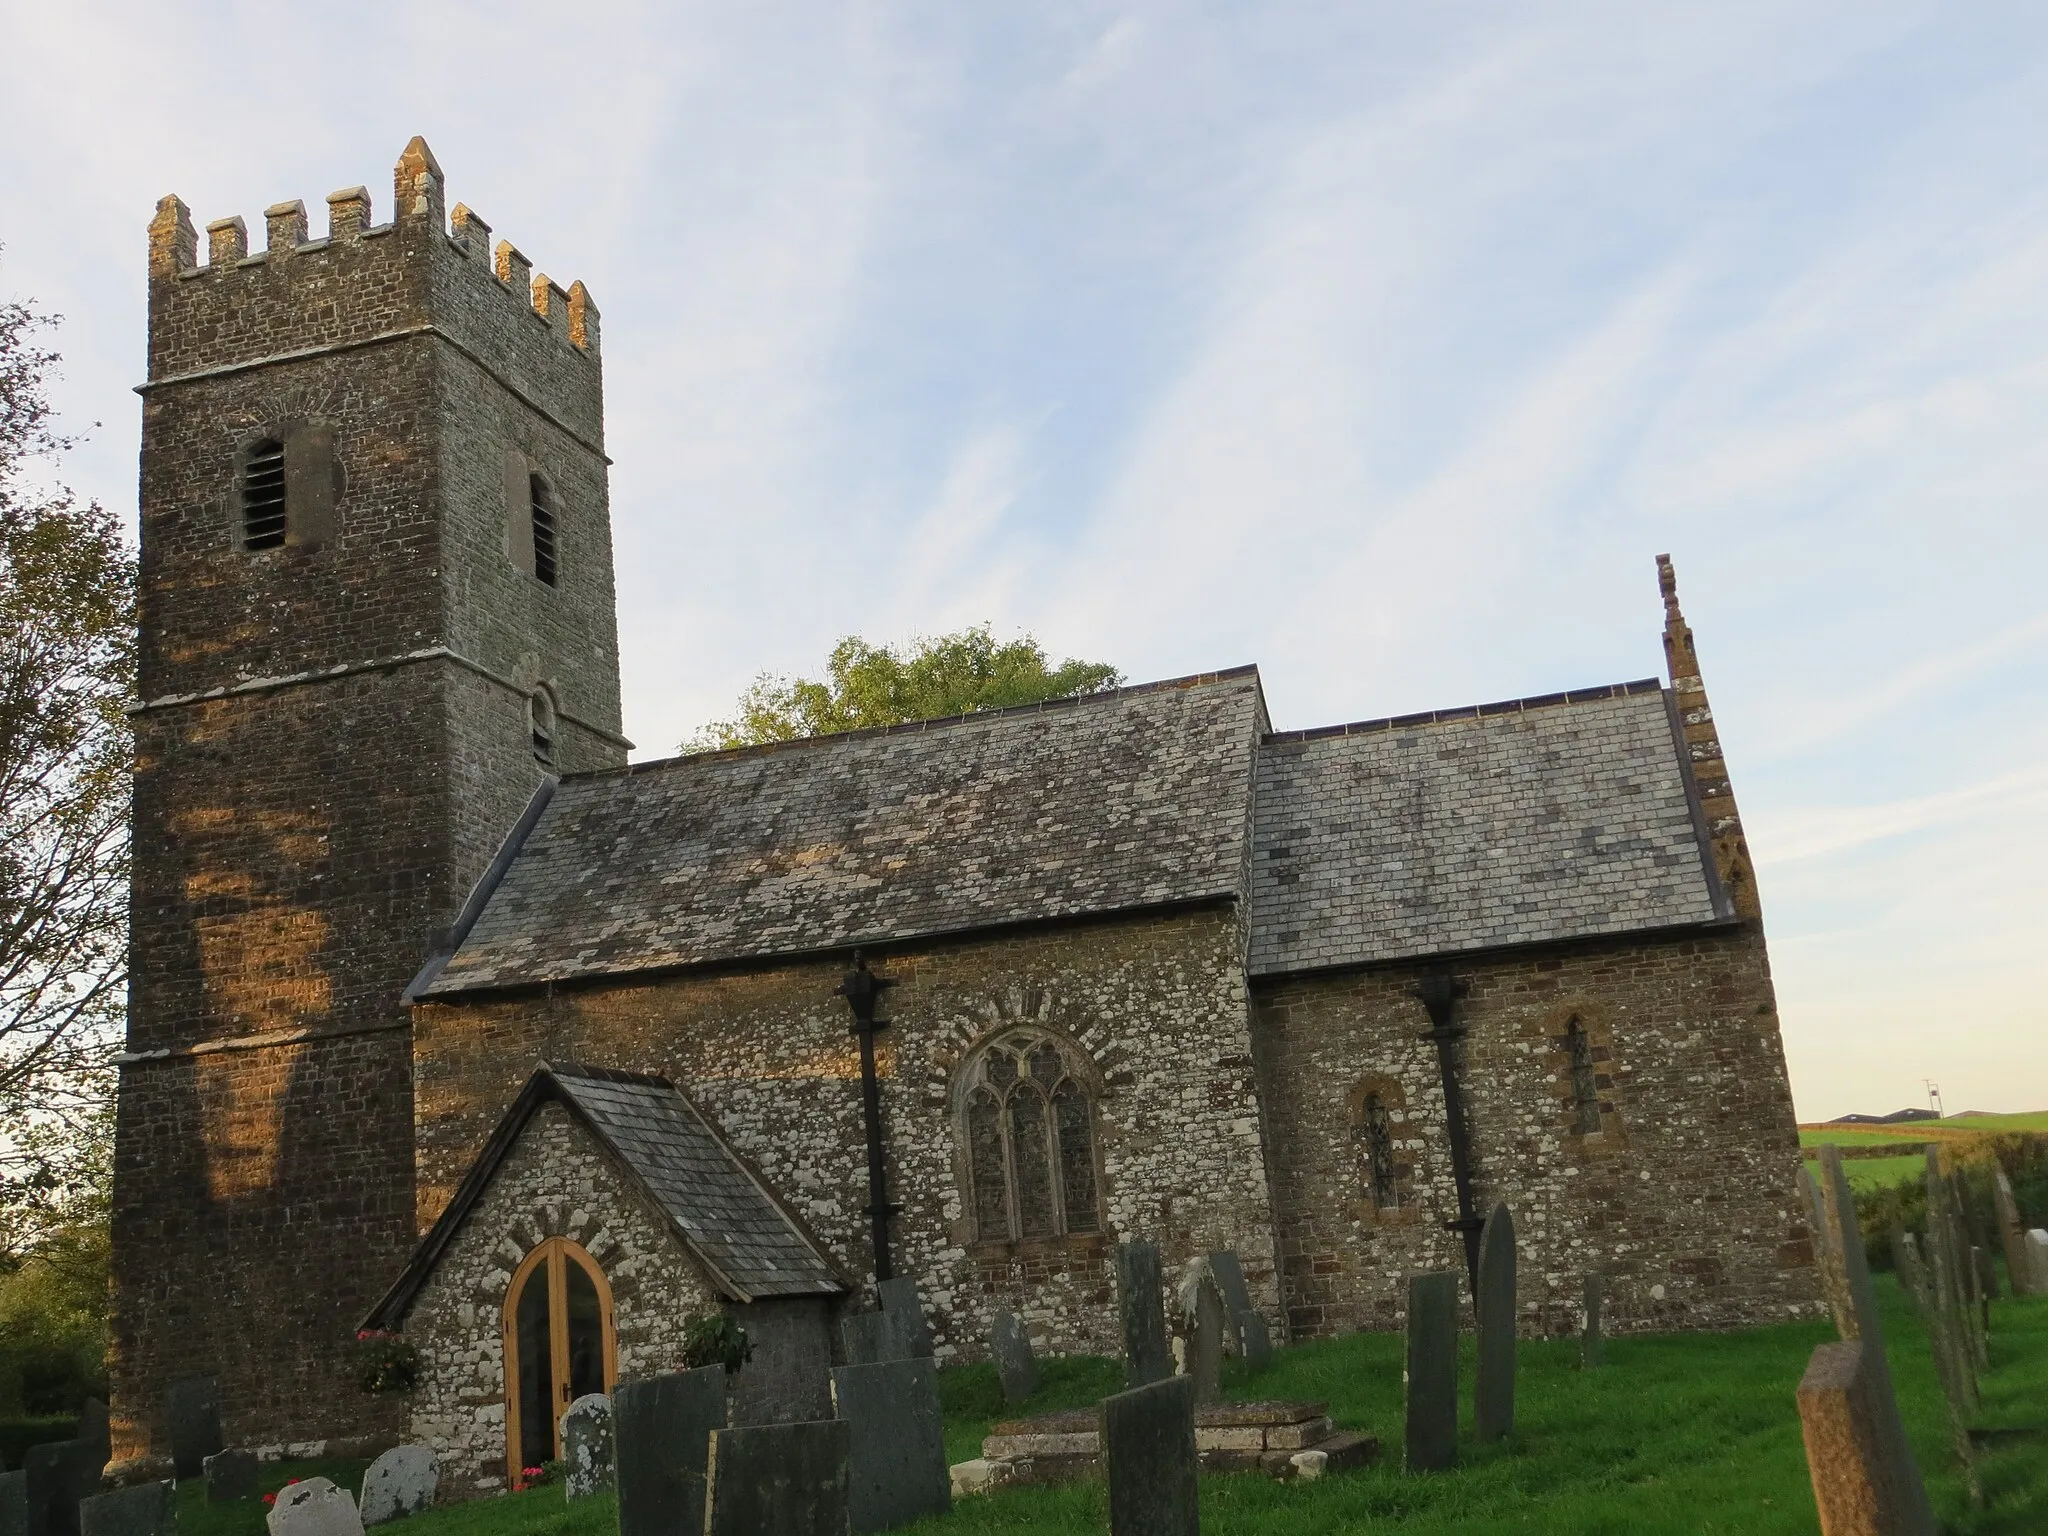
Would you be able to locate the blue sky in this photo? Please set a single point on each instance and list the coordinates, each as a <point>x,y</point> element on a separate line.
<point>1381,344</point>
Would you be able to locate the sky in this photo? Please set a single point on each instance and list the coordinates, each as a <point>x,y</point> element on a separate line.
<point>1384,345</point>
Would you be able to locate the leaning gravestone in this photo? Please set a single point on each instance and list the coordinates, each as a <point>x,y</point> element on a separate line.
<point>1147,1439</point>
<point>788,1479</point>
<point>1142,1313</point>
<point>194,1413</point>
<point>1494,1402</point>
<point>1432,1419</point>
<point>13,1503</point>
<point>896,1443</point>
<point>1016,1366</point>
<point>94,1429</point>
<point>1205,1343</point>
<point>663,1438</point>
<point>230,1475</point>
<point>147,1509</point>
<point>60,1474</point>
<point>1590,1341</point>
<point>587,1461</point>
<point>908,1328</point>
<point>401,1482</point>
<point>314,1507</point>
<point>1228,1269</point>
<point>1255,1339</point>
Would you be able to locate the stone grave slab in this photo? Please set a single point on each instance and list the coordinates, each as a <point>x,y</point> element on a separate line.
<point>1494,1394</point>
<point>194,1412</point>
<point>1148,1459</point>
<point>14,1503</point>
<point>314,1507</point>
<point>60,1474</point>
<point>1590,1341</point>
<point>662,1428</point>
<point>1016,1365</point>
<point>1255,1339</point>
<point>1432,1415</point>
<point>588,1461</point>
<point>1141,1310</point>
<point>790,1479</point>
<point>1228,1269</point>
<point>896,1443</point>
<point>401,1482</point>
<point>905,1310</point>
<point>146,1509</point>
<point>230,1475</point>
<point>1205,1342</point>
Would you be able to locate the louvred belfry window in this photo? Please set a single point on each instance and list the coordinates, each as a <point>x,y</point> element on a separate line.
<point>1030,1134</point>
<point>263,495</point>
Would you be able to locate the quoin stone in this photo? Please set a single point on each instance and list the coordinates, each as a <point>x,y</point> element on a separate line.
<point>787,1478</point>
<point>1147,1440</point>
<point>663,1427</point>
<point>1016,1365</point>
<point>194,1411</point>
<point>1494,1402</point>
<point>1432,1411</point>
<point>401,1482</point>
<point>146,1509</point>
<point>230,1475</point>
<point>896,1443</point>
<point>587,1447</point>
<point>314,1507</point>
<point>1141,1309</point>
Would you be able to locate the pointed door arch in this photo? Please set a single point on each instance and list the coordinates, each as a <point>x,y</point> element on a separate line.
<point>560,1343</point>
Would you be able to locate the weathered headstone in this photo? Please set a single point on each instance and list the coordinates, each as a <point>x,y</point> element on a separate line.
<point>94,1429</point>
<point>2019,1268</point>
<point>230,1475</point>
<point>905,1311</point>
<point>1205,1340</point>
<point>194,1413</point>
<point>662,1437</point>
<point>1147,1435</point>
<point>1142,1311</point>
<point>14,1503</point>
<point>587,1454</point>
<point>401,1482</point>
<point>896,1443</point>
<point>60,1474</point>
<point>314,1507</point>
<point>146,1509</point>
<point>1016,1366</point>
<point>1432,1417</point>
<point>1591,1344</point>
<point>1494,1399</point>
<point>1228,1269</point>
<point>1842,1417</point>
<point>786,1478</point>
<point>1255,1339</point>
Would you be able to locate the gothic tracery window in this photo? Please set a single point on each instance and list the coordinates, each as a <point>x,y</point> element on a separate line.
<point>1030,1138</point>
<point>1585,1085</point>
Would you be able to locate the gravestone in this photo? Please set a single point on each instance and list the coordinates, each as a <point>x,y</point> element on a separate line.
<point>587,1459</point>
<point>1590,1341</point>
<point>1147,1440</point>
<point>147,1509</point>
<point>1432,1417</point>
<point>905,1311</point>
<point>1494,1399</point>
<point>2019,1268</point>
<point>94,1429</point>
<point>230,1475</point>
<point>1016,1366</point>
<point>194,1413</point>
<point>1228,1269</point>
<point>896,1443</point>
<point>14,1503</point>
<point>401,1482</point>
<point>662,1439</point>
<point>1842,1419</point>
<point>314,1507</point>
<point>786,1478</point>
<point>1142,1313</point>
<point>1205,1342</point>
<point>60,1473</point>
<point>1255,1339</point>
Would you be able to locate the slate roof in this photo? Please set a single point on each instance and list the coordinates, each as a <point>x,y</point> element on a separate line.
<point>1110,802</point>
<point>728,1218</point>
<point>1517,823</point>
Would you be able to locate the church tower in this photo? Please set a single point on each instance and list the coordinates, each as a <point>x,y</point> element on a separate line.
<point>377,614</point>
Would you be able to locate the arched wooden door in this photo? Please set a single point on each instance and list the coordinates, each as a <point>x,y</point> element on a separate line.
<point>559,1346</point>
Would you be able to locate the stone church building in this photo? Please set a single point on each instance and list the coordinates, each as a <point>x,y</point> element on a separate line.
<point>445,1017</point>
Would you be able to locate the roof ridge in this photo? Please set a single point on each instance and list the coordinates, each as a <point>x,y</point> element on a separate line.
<point>1469,711</point>
<point>915,727</point>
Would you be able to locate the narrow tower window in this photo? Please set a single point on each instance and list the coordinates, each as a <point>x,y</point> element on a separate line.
<point>263,497</point>
<point>1585,1088</point>
<point>540,714</point>
<point>543,501</point>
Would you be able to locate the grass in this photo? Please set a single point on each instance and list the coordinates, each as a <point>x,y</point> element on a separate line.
<point>1676,1435</point>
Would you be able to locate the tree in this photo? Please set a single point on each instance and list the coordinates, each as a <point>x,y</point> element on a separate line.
<point>957,674</point>
<point>67,654</point>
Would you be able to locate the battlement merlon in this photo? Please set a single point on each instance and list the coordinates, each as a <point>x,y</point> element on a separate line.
<point>362,284</point>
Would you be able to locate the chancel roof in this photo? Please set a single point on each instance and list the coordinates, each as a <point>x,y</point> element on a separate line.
<point>751,1246</point>
<point>1526,822</point>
